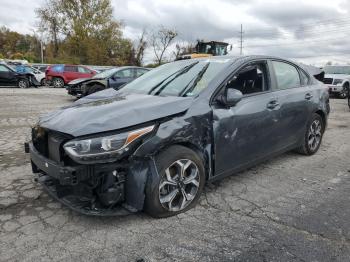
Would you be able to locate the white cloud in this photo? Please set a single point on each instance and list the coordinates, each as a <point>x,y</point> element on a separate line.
<point>286,28</point>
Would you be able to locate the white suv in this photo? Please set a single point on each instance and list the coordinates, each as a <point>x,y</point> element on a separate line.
<point>337,78</point>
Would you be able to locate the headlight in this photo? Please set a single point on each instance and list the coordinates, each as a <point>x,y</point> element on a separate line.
<point>337,81</point>
<point>103,149</point>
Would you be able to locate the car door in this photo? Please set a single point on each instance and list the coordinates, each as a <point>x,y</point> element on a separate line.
<point>71,73</point>
<point>7,76</point>
<point>122,77</point>
<point>247,131</point>
<point>293,96</point>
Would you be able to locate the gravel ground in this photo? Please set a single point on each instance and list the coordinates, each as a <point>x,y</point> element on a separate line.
<point>292,208</point>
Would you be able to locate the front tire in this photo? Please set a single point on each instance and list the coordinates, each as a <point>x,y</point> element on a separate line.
<point>179,185</point>
<point>58,82</point>
<point>313,136</point>
<point>23,83</point>
<point>345,92</point>
<point>95,88</point>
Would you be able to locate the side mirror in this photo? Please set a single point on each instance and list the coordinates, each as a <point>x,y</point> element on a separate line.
<point>231,97</point>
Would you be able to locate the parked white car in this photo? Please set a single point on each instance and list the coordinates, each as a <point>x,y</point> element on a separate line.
<point>39,76</point>
<point>337,78</point>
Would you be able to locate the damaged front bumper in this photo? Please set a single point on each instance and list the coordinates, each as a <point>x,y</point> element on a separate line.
<point>335,89</point>
<point>74,90</point>
<point>80,188</point>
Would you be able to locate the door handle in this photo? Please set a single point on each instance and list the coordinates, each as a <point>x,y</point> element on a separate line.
<point>272,104</point>
<point>308,96</point>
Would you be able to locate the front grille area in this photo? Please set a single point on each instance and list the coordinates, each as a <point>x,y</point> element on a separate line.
<point>49,143</point>
<point>76,88</point>
<point>328,81</point>
<point>39,139</point>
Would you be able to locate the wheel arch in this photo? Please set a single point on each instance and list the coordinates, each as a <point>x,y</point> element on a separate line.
<point>90,84</point>
<point>203,153</point>
<point>61,77</point>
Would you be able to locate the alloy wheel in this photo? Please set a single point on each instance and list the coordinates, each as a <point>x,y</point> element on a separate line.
<point>22,84</point>
<point>179,187</point>
<point>58,83</point>
<point>315,134</point>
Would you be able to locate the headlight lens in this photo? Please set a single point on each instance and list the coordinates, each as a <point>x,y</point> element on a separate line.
<point>103,149</point>
<point>337,81</point>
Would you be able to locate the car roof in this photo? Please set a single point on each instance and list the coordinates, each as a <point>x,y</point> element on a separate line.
<point>242,57</point>
<point>130,67</point>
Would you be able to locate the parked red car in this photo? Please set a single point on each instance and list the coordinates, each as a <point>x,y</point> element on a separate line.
<point>60,75</point>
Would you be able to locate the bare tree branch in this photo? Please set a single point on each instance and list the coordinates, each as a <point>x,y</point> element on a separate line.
<point>160,41</point>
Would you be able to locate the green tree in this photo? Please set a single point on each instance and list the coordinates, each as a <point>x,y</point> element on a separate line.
<point>15,45</point>
<point>85,31</point>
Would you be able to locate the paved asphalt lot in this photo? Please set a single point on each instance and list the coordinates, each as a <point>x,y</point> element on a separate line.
<point>292,208</point>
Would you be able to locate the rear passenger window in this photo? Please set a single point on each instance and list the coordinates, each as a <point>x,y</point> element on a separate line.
<point>57,68</point>
<point>70,69</point>
<point>287,75</point>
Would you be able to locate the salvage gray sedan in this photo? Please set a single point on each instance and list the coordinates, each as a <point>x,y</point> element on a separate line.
<point>155,143</point>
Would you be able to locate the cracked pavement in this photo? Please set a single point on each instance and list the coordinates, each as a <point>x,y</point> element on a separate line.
<point>291,208</point>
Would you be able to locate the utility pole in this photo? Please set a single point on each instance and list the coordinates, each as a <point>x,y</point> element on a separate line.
<point>241,40</point>
<point>42,51</point>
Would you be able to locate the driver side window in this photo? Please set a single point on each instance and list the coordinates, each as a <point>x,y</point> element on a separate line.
<point>124,73</point>
<point>250,79</point>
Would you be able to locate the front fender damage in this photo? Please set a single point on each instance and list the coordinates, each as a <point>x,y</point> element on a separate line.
<point>107,189</point>
<point>142,172</point>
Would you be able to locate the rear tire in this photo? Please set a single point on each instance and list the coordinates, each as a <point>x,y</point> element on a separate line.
<point>179,185</point>
<point>23,83</point>
<point>58,82</point>
<point>43,82</point>
<point>313,136</point>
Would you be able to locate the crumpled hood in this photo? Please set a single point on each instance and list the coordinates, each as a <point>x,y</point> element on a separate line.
<point>79,81</point>
<point>337,76</point>
<point>116,112</point>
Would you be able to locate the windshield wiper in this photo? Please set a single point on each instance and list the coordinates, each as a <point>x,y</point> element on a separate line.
<point>188,87</point>
<point>177,74</point>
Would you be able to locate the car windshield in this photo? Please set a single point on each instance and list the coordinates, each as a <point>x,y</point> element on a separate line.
<point>337,70</point>
<point>181,78</point>
<point>106,73</point>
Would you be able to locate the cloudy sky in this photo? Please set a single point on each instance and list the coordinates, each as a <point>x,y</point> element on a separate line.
<point>311,31</point>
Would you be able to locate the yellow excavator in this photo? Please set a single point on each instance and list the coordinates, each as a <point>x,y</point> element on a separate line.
<point>206,49</point>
